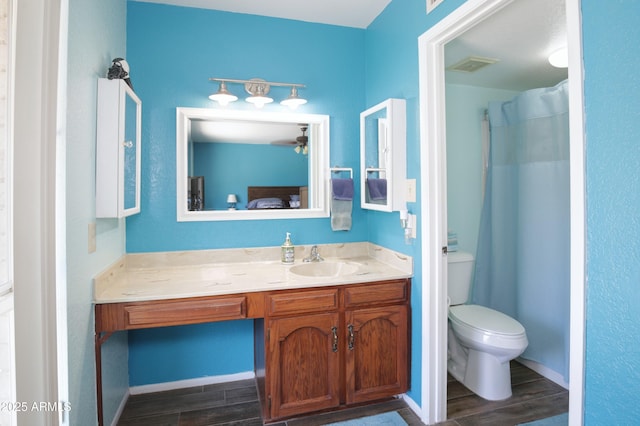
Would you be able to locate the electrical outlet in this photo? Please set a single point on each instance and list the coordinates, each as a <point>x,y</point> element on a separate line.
<point>411,191</point>
<point>92,237</point>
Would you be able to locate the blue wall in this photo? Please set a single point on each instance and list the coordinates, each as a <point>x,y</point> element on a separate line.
<point>97,34</point>
<point>173,51</point>
<point>465,111</point>
<point>612,88</point>
<point>392,72</point>
<point>172,60</point>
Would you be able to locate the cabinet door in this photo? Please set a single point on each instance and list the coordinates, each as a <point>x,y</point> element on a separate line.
<point>383,156</point>
<point>118,150</point>
<point>131,157</point>
<point>303,364</point>
<point>376,358</point>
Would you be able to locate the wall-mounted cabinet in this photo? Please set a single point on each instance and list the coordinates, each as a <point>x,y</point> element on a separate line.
<point>383,158</point>
<point>118,150</point>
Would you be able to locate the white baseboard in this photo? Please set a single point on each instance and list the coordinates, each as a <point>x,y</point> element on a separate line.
<point>548,373</point>
<point>120,409</point>
<point>412,404</point>
<point>200,381</point>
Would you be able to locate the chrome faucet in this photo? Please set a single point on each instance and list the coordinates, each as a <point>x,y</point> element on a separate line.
<point>314,256</point>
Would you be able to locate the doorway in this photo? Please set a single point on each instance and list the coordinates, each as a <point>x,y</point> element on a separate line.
<point>433,174</point>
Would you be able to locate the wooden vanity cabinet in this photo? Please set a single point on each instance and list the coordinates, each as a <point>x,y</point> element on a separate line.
<point>335,346</point>
<point>376,353</point>
<point>304,364</point>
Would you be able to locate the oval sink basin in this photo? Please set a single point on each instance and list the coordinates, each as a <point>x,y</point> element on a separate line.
<point>324,269</point>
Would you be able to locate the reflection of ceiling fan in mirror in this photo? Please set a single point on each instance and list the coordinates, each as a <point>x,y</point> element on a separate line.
<point>300,142</point>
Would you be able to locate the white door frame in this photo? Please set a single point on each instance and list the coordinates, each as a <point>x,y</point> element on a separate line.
<point>38,204</point>
<point>433,193</point>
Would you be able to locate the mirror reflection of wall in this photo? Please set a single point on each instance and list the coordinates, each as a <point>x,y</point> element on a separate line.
<point>376,151</point>
<point>230,168</point>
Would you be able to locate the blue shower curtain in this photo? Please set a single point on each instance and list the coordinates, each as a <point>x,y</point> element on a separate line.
<point>522,260</point>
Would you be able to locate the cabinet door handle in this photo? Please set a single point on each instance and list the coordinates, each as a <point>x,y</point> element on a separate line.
<point>334,331</point>
<point>127,144</point>
<point>351,336</point>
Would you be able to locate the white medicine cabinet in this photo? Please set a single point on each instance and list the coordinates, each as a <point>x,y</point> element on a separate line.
<point>383,168</point>
<point>118,150</point>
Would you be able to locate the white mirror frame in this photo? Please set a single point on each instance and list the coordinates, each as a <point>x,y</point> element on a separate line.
<point>395,131</point>
<point>318,164</point>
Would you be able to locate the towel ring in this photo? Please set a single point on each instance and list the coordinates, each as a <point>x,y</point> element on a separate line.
<point>342,169</point>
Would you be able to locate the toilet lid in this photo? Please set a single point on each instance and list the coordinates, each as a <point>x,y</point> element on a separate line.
<point>485,319</point>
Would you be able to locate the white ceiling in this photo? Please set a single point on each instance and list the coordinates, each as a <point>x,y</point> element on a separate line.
<point>521,36</point>
<point>347,13</point>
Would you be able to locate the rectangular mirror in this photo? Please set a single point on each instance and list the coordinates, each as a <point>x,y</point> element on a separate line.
<point>383,156</point>
<point>239,165</point>
<point>132,153</point>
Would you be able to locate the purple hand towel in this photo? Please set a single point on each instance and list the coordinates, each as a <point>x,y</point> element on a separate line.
<point>342,189</point>
<point>377,189</point>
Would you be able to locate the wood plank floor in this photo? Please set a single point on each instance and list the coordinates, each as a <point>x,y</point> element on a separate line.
<point>534,397</point>
<point>236,404</point>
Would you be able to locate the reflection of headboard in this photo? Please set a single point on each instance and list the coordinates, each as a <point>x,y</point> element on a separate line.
<point>282,192</point>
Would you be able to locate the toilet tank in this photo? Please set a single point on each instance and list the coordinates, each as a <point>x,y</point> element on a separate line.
<point>460,271</point>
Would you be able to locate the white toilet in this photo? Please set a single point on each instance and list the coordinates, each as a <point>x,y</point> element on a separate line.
<point>481,341</point>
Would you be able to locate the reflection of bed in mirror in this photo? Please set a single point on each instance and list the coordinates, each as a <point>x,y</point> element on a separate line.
<point>276,197</point>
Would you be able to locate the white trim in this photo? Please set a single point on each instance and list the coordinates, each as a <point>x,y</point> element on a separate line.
<point>578,207</point>
<point>36,111</point>
<point>319,155</point>
<point>412,404</point>
<point>432,4</point>
<point>62,368</point>
<point>432,157</point>
<point>123,403</point>
<point>548,373</point>
<point>188,383</point>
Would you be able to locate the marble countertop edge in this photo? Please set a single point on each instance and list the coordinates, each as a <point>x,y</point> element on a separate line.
<point>170,275</point>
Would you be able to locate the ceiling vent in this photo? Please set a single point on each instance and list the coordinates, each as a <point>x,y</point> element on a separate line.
<point>472,64</point>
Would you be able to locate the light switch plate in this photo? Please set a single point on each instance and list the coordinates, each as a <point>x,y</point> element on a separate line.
<point>411,190</point>
<point>92,237</point>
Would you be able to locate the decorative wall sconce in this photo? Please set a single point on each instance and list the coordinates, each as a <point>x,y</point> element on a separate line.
<point>258,90</point>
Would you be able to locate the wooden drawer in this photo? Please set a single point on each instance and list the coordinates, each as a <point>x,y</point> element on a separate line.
<point>384,292</point>
<point>185,312</point>
<point>293,302</point>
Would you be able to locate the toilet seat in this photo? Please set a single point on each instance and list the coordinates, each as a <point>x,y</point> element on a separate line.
<point>485,319</point>
<point>487,326</point>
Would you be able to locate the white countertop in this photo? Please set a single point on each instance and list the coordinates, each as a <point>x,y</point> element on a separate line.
<point>171,275</point>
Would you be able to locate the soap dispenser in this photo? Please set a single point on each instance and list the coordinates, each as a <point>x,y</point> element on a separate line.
<point>288,251</point>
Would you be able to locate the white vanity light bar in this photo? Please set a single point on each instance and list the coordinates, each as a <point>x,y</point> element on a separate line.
<point>258,89</point>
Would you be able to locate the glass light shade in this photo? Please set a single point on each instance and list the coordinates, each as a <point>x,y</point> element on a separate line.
<point>223,96</point>
<point>559,58</point>
<point>294,101</point>
<point>259,101</point>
